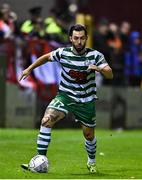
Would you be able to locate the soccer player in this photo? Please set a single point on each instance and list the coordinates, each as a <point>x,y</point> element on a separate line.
<point>77,90</point>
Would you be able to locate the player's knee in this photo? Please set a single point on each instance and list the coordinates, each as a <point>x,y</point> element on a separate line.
<point>89,136</point>
<point>47,121</point>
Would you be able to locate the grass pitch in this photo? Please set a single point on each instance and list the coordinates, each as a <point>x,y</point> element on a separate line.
<point>119,154</point>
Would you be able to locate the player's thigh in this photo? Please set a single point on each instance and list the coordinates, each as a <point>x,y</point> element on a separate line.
<point>51,116</point>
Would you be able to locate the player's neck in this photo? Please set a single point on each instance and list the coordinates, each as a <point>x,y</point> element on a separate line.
<point>79,53</point>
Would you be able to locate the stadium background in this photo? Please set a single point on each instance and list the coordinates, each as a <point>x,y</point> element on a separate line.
<point>114,10</point>
<point>21,107</point>
<point>119,117</point>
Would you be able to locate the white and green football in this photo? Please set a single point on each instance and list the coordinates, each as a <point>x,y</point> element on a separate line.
<point>39,163</point>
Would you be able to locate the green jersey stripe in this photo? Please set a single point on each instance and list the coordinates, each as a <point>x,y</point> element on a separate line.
<point>74,94</point>
<point>70,54</point>
<point>102,61</point>
<point>97,58</point>
<point>57,54</point>
<point>78,88</point>
<point>99,63</point>
<point>74,66</point>
<point>55,59</point>
<point>92,75</point>
<point>81,95</point>
<point>76,58</point>
<point>68,49</point>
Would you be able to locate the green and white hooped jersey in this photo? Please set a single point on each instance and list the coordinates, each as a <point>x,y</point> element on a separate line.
<point>76,81</point>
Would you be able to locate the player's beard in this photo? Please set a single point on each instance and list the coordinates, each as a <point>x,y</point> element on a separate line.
<point>79,49</point>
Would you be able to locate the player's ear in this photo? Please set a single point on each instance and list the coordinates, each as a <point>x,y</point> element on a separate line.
<point>70,38</point>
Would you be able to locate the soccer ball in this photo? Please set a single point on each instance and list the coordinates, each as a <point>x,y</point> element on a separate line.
<point>39,163</point>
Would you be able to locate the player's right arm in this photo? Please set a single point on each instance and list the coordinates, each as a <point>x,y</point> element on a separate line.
<point>40,61</point>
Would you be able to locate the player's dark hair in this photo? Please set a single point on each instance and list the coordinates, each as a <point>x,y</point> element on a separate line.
<point>77,27</point>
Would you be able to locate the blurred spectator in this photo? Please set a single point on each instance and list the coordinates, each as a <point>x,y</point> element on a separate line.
<point>34,25</point>
<point>10,17</point>
<point>100,43</point>
<point>124,32</point>
<point>38,29</point>
<point>133,61</point>
<point>54,27</point>
<point>7,9</point>
<point>116,56</point>
<point>114,40</point>
<point>5,31</point>
<point>100,38</point>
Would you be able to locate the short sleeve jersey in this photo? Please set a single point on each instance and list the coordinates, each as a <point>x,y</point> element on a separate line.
<point>76,81</point>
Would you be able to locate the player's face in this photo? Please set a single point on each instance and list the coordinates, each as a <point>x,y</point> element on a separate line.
<point>78,40</point>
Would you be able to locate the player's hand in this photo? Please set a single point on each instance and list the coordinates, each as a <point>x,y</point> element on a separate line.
<point>24,74</point>
<point>93,67</point>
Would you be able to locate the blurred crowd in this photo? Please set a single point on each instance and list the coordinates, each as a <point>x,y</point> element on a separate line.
<point>121,45</point>
<point>54,27</point>
<point>122,48</point>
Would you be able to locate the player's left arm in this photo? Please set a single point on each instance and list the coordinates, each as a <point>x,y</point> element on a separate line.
<point>106,70</point>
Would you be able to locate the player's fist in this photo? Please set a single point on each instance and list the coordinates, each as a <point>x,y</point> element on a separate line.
<point>93,67</point>
<point>24,74</point>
